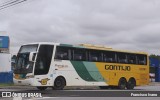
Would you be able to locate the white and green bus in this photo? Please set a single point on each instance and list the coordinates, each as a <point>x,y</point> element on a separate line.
<point>58,65</point>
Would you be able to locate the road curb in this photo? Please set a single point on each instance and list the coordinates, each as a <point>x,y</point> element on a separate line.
<point>154,83</point>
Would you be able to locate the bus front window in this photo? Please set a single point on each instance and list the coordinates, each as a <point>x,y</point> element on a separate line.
<point>23,65</point>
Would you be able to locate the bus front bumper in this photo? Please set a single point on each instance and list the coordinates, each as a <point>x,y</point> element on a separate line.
<point>23,82</point>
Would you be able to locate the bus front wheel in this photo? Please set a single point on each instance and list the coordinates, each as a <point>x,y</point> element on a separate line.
<point>131,83</point>
<point>122,83</point>
<point>41,88</point>
<point>59,83</point>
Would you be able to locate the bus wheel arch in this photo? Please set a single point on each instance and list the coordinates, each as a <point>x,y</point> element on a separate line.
<point>131,83</point>
<point>122,83</point>
<point>59,83</point>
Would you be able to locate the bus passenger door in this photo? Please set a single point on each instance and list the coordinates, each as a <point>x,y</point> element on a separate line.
<point>42,70</point>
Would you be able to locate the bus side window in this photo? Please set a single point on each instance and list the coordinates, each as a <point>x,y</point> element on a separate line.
<point>142,59</point>
<point>122,58</point>
<point>62,53</point>
<point>79,55</point>
<point>131,58</point>
<point>109,56</point>
<point>95,56</point>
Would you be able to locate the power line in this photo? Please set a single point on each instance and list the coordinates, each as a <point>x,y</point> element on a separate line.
<point>5,3</point>
<point>11,4</point>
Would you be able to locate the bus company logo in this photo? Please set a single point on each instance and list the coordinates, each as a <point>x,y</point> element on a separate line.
<point>117,67</point>
<point>61,66</point>
<point>44,81</point>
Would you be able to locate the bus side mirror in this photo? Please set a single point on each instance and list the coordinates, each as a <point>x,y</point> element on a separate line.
<point>13,58</point>
<point>32,56</point>
<point>13,62</point>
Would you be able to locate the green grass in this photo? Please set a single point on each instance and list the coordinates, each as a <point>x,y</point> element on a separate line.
<point>6,84</point>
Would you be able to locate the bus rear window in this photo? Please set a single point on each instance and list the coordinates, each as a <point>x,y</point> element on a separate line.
<point>142,59</point>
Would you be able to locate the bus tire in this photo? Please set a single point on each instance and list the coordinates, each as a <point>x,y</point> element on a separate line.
<point>41,87</point>
<point>59,83</point>
<point>131,84</point>
<point>122,83</point>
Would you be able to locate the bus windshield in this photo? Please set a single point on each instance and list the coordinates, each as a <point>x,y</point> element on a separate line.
<point>23,65</point>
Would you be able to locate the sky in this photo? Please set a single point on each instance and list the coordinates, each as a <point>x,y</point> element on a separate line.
<point>132,25</point>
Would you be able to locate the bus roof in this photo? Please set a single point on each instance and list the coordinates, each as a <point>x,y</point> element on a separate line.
<point>51,43</point>
<point>100,47</point>
<point>89,46</point>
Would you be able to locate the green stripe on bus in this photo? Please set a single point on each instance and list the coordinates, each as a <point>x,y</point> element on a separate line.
<point>82,71</point>
<point>93,71</point>
<point>79,46</point>
<point>66,45</point>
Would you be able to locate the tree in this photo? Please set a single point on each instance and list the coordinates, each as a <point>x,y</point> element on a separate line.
<point>155,56</point>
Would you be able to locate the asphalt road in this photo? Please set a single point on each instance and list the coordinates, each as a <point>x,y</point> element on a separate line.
<point>79,93</point>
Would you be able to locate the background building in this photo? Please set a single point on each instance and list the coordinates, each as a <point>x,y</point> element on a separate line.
<point>6,75</point>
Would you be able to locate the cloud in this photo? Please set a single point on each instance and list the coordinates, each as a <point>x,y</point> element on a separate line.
<point>122,24</point>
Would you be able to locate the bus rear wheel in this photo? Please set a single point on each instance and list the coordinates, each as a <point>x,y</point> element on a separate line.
<point>59,83</point>
<point>131,83</point>
<point>41,88</point>
<point>122,83</point>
